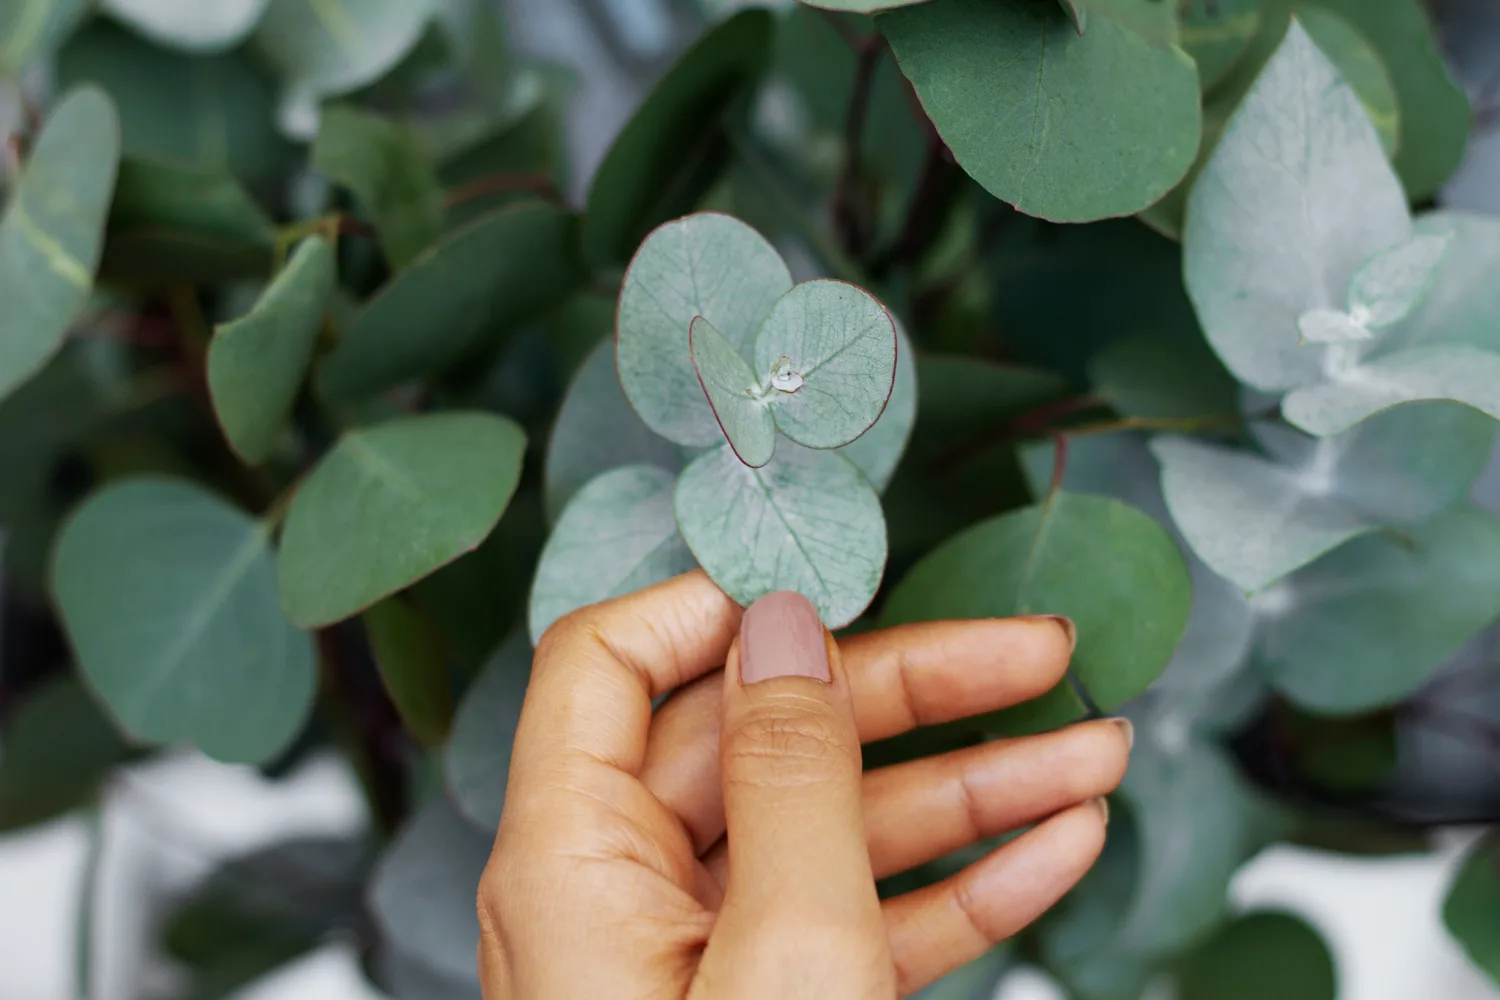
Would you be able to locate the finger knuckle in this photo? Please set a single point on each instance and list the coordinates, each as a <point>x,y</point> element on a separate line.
<point>787,742</point>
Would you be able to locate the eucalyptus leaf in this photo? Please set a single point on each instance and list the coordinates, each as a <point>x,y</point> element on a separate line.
<point>738,399</point>
<point>596,430</point>
<point>257,363</point>
<point>1459,373</point>
<point>877,451</point>
<point>382,164</point>
<point>1163,377</point>
<point>617,535</point>
<point>422,893</point>
<point>189,24</point>
<point>481,281</point>
<point>1104,564</point>
<point>30,28</point>
<point>1296,196</point>
<point>391,504</point>
<point>52,231</point>
<point>212,113</point>
<point>828,350</point>
<point>1253,522</point>
<point>1471,910</point>
<point>408,650</point>
<point>322,48</point>
<point>58,747</point>
<point>1462,306</point>
<point>1331,326</point>
<point>1261,954</point>
<point>963,396</point>
<point>807,521</point>
<point>707,265</point>
<point>1360,66</point>
<point>1388,286</point>
<point>1216,34</point>
<point>168,596</point>
<point>477,761</point>
<point>1015,91</point>
<point>1368,625</point>
<point>670,152</point>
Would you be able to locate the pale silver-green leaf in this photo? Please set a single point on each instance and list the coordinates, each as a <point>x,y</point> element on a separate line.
<point>477,761</point>
<point>192,25</point>
<point>618,534</point>
<point>1330,326</point>
<point>1386,289</point>
<point>736,396</point>
<point>840,343</point>
<point>1457,372</point>
<point>808,521</point>
<point>707,265</point>
<point>878,451</point>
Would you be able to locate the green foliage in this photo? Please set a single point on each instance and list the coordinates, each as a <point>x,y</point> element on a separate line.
<point>312,318</point>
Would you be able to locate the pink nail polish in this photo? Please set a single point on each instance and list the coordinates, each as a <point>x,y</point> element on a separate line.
<point>782,636</point>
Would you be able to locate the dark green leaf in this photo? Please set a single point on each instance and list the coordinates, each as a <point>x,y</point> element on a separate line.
<point>1472,908</point>
<point>808,521</point>
<point>617,534</point>
<point>1106,565</point>
<point>209,113</point>
<point>1216,33</point>
<point>57,749</point>
<point>257,363</point>
<point>1015,92</point>
<point>481,281</point>
<point>1367,625</point>
<point>964,399</point>
<point>1160,377</point>
<point>382,164</point>
<point>1344,756</point>
<point>1262,954</point>
<point>52,231</point>
<point>477,762</point>
<point>168,595</point>
<point>391,504</point>
<point>671,151</point>
<point>31,28</point>
<point>414,667</point>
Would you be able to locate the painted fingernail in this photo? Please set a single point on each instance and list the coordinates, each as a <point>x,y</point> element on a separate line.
<point>1127,728</point>
<point>1062,622</point>
<point>1102,804</point>
<point>782,636</point>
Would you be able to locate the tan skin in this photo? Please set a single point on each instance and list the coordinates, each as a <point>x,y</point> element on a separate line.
<point>726,846</point>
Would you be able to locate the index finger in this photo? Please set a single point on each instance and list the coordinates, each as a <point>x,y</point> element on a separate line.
<point>597,670</point>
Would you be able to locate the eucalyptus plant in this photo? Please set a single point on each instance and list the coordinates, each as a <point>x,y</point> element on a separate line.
<point>326,387</point>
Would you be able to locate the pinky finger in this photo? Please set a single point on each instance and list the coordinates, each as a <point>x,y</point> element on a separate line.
<point>939,928</point>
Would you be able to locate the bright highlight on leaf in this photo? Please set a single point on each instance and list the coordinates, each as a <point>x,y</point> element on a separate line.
<point>1386,289</point>
<point>1331,326</point>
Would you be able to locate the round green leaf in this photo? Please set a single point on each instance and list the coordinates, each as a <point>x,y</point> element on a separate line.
<point>257,363</point>
<point>877,451</point>
<point>168,596</point>
<point>477,762</point>
<point>670,152</point>
<point>707,265</point>
<point>1471,911</point>
<point>1216,33</point>
<point>618,534</point>
<point>391,504</point>
<point>596,430</point>
<point>487,278</point>
<point>738,399</point>
<point>1263,954</point>
<point>828,351</point>
<point>58,748</point>
<point>326,47</point>
<point>1296,196</point>
<point>1016,92</point>
<point>52,231</point>
<point>1106,565</point>
<point>208,113</point>
<point>408,650</point>
<point>189,24</point>
<point>807,521</point>
<point>30,28</point>
<point>422,891</point>
<point>388,172</point>
<point>1367,625</point>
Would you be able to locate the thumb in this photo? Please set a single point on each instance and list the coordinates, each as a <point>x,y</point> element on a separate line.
<point>799,877</point>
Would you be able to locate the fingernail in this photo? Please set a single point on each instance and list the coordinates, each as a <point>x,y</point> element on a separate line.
<point>1064,623</point>
<point>782,636</point>
<point>1127,727</point>
<point>1102,804</point>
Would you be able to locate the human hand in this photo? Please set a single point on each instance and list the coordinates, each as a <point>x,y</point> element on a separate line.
<point>726,847</point>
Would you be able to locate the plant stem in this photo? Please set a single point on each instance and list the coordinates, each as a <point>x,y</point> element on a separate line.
<point>88,902</point>
<point>851,220</point>
<point>524,182</point>
<point>365,718</point>
<point>924,216</point>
